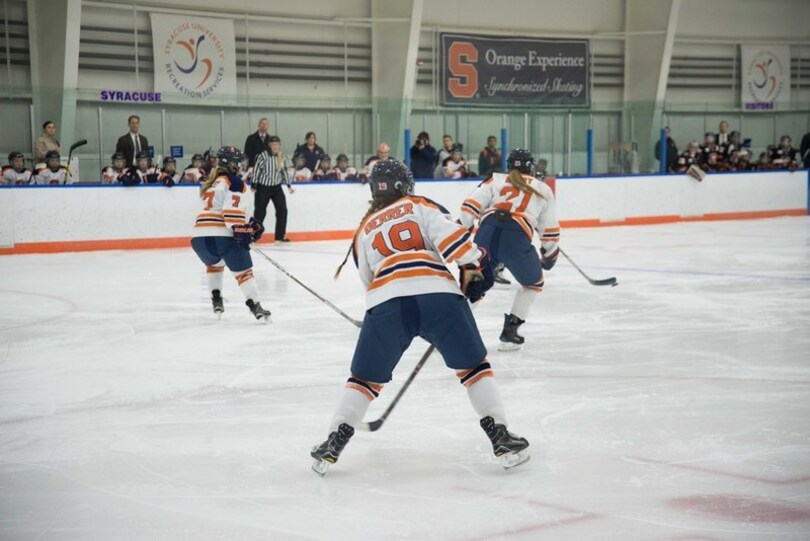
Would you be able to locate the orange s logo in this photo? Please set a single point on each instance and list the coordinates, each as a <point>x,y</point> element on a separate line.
<point>465,82</point>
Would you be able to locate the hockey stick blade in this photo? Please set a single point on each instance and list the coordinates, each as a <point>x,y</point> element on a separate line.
<point>78,144</point>
<point>373,426</point>
<point>612,281</point>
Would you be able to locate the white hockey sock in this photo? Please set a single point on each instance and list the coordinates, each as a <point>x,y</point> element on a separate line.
<point>248,285</point>
<point>214,275</point>
<point>351,409</point>
<point>523,301</point>
<point>486,400</point>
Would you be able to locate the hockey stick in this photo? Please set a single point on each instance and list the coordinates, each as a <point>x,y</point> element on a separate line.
<point>73,147</point>
<point>373,426</point>
<point>604,282</point>
<point>346,316</point>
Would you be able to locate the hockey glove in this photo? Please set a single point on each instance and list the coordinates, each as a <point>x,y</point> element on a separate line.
<point>242,235</point>
<point>547,261</point>
<point>477,278</point>
<point>258,229</point>
<point>168,181</point>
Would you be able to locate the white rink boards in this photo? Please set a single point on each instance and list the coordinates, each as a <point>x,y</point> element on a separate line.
<point>674,406</point>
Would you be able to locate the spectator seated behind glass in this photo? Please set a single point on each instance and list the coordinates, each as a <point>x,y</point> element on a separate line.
<point>784,156</point>
<point>383,153</point>
<point>194,172</point>
<point>310,151</point>
<point>211,161</point>
<point>764,163</point>
<point>299,172</point>
<point>443,154</point>
<point>712,155</point>
<point>344,171</point>
<point>112,174</point>
<point>690,157</point>
<point>53,172</point>
<point>15,172</point>
<point>739,161</point>
<point>324,170</point>
<point>455,166</point>
<point>489,160</point>
<point>423,156</point>
<point>142,173</point>
<point>168,175</point>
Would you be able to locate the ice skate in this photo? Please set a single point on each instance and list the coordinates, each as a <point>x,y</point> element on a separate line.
<point>216,301</point>
<point>510,449</point>
<point>510,340</point>
<point>257,310</point>
<point>328,452</point>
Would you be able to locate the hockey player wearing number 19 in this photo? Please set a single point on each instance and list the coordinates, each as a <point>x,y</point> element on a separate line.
<point>401,249</point>
<point>509,209</point>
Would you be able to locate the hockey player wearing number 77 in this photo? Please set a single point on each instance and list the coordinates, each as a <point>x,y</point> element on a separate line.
<point>509,209</point>
<point>401,249</point>
<point>224,230</point>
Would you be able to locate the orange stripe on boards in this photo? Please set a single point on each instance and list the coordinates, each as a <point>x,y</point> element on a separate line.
<point>183,242</point>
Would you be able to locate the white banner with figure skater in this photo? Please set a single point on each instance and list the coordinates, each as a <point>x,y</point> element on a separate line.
<point>765,73</point>
<point>194,56</point>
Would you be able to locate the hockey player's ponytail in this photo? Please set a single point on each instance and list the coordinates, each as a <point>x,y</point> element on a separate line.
<point>374,205</point>
<point>516,179</point>
<point>212,176</point>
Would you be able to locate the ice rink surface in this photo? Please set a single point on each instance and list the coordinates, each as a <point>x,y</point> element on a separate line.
<point>675,406</point>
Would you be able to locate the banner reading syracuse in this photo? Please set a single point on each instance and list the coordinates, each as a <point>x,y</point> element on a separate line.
<point>765,73</point>
<point>194,56</point>
<point>499,70</point>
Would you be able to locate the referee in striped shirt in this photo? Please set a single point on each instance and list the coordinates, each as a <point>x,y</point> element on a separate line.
<point>269,174</point>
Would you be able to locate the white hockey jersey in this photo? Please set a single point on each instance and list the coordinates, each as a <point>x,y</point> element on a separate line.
<point>44,175</point>
<point>226,203</point>
<point>299,175</point>
<point>404,249</point>
<point>193,174</point>
<point>12,176</point>
<point>532,212</point>
<point>349,174</point>
<point>111,176</point>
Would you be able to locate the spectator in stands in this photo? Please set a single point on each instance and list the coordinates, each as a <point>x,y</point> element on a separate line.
<point>46,142</point>
<point>541,169</point>
<point>455,166</point>
<point>671,149</point>
<point>299,172</point>
<point>257,142</point>
<point>324,170</point>
<point>443,154</point>
<point>168,175</point>
<point>383,153</point>
<point>784,156</point>
<point>310,150</point>
<point>194,172</point>
<point>344,171</point>
<point>15,172</point>
<point>489,160</point>
<point>53,172</point>
<point>764,163</point>
<point>734,144</point>
<point>690,157</point>
<point>804,150</point>
<point>723,137</point>
<point>423,156</point>
<point>739,161</point>
<point>211,161</point>
<point>142,173</point>
<point>269,176</point>
<point>133,142</point>
<point>712,155</point>
<point>112,173</point>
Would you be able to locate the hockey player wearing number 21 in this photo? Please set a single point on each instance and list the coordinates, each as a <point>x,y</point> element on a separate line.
<point>509,209</point>
<point>401,249</point>
<point>224,230</point>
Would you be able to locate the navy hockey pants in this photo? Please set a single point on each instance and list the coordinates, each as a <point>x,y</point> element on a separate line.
<point>212,250</point>
<point>507,243</point>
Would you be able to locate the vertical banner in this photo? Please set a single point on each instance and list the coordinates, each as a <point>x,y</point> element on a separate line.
<point>194,56</point>
<point>765,73</point>
<point>501,70</point>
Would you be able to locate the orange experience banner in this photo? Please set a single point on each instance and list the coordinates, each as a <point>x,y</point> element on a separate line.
<point>194,56</point>
<point>502,70</point>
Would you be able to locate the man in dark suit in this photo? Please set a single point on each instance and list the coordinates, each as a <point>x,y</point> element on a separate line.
<point>257,142</point>
<point>133,142</point>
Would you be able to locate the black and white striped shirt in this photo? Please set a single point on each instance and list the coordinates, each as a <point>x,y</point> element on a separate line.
<point>270,170</point>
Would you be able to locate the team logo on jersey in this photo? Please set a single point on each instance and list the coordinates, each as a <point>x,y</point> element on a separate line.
<point>194,59</point>
<point>766,77</point>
